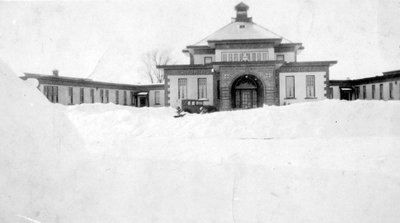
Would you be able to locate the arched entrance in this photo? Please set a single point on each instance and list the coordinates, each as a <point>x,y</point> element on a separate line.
<point>247,92</point>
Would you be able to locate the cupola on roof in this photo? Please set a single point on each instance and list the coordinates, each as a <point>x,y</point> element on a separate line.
<point>241,13</point>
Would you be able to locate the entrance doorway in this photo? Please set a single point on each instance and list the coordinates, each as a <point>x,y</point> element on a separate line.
<point>142,99</point>
<point>247,92</point>
<point>246,99</point>
<point>346,94</point>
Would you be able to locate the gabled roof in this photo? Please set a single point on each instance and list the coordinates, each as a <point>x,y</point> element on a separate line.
<point>240,31</point>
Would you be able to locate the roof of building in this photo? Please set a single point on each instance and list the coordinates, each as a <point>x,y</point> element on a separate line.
<point>391,72</point>
<point>387,76</point>
<point>84,82</point>
<point>241,31</point>
<point>242,28</point>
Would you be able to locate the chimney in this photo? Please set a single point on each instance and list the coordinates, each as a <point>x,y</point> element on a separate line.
<point>55,73</point>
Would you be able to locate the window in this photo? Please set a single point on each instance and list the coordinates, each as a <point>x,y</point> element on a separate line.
<point>218,91</point>
<point>51,93</point>
<point>381,91</point>
<point>92,95</point>
<point>373,92</point>
<point>202,87</point>
<point>391,90</point>
<point>157,97</point>
<point>116,97</point>
<point>235,57</point>
<point>280,57</point>
<point>207,60</point>
<point>364,92</point>
<point>102,96</point>
<point>107,96</point>
<point>357,92</point>
<point>253,56</point>
<point>124,97</point>
<point>71,95</point>
<point>264,56</point>
<point>230,58</point>
<point>310,86</point>
<point>55,88</point>
<point>290,87</point>
<point>258,58</point>
<point>224,57</point>
<point>330,90</point>
<point>82,95</point>
<point>246,57</point>
<point>182,88</point>
<point>132,98</point>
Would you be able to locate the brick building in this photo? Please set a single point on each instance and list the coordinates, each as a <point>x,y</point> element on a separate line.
<point>244,65</point>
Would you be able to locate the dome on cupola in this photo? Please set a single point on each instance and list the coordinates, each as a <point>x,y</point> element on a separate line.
<point>241,7</point>
<point>241,13</point>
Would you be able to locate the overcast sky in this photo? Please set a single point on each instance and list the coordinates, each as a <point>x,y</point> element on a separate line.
<point>105,40</point>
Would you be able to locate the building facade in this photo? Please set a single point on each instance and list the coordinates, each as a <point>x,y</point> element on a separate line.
<point>240,66</point>
<point>244,65</point>
<point>384,87</point>
<point>71,91</point>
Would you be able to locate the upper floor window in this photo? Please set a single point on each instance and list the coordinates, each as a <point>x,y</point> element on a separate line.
<point>202,87</point>
<point>290,87</point>
<point>224,57</point>
<point>280,57</point>
<point>207,60</point>
<point>182,88</point>
<point>244,56</point>
<point>310,86</point>
<point>235,57</point>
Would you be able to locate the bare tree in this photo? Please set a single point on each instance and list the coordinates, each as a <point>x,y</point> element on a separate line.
<point>155,58</point>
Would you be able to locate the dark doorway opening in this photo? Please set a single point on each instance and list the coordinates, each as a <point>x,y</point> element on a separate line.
<point>247,92</point>
<point>346,94</point>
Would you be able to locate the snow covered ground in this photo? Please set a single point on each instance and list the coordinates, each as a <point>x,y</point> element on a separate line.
<point>330,161</point>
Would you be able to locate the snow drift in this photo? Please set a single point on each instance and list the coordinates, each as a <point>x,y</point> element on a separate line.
<point>39,150</point>
<point>326,119</point>
<point>330,161</point>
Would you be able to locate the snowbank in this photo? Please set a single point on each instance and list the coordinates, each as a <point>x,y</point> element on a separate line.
<point>330,161</point>
<point>324,119</point>
<point>39,150</point>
